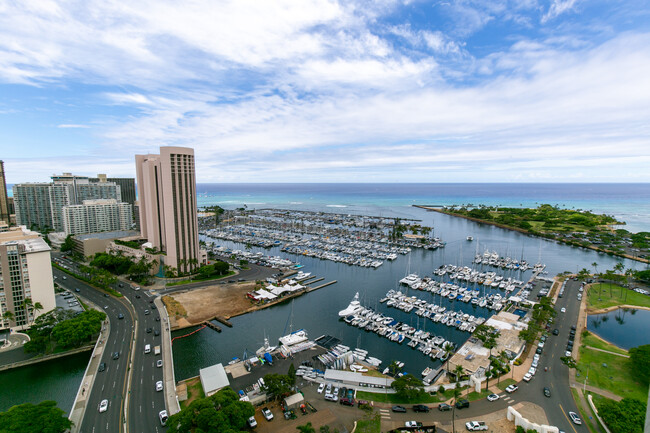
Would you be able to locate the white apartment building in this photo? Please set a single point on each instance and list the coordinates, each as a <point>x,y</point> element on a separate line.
<point>25,274</point>
<point>94,216</point>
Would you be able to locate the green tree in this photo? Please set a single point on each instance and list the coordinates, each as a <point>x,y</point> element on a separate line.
<point>457,394</point>
<point>44,417</point>
<point>408,387</point>
<point>67,244</point>
<point>277,385</point>
<point>292,374</point>
<point>219,413</point>
<point>625,416</point>
<point>640,362</point>
<point>78,330</point>
<point>307,428</point>
<point>458,372</point>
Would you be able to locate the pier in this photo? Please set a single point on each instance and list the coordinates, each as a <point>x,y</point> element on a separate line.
<point>209,324</point>
<point>311,289</point>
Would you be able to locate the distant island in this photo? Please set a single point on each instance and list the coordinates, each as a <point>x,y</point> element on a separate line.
<point>578,228</point>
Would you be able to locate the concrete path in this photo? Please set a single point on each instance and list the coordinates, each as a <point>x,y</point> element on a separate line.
<point>607,351</point>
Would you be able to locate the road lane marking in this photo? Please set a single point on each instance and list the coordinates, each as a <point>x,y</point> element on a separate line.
<point>567,418</point>
<point>113,384</point>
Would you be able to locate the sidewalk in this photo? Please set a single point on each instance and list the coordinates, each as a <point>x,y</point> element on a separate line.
<point>169,378</point>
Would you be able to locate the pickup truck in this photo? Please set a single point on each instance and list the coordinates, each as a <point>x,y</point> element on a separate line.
<point>476,426</point>
<point>156,350</point>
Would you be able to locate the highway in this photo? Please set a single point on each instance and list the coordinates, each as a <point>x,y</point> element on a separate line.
<point>111,383</point>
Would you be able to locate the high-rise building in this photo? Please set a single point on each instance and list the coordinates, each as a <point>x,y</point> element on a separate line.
<point>32,203</point>
<point>25,278</point>
<point>126,184</point>
<point>4,199</point>
<point>94,216</point>
<point>41,204</point>
<point>167,205</point>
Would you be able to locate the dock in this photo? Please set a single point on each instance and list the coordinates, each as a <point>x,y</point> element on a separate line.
<point>209,324</point>
<point>315,281</point>
<point>223,320</point>
<point>311,289</point>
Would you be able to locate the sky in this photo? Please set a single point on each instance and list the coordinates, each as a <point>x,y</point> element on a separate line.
<point>327,91</point>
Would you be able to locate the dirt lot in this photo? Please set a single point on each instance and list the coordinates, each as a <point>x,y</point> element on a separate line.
<point>224,300</point>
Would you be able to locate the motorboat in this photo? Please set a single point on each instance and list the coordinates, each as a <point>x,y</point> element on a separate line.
<point>353,308</point>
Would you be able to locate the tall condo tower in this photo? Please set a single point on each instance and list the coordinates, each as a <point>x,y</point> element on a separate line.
<point>167,197</point>
<point>4,199</point>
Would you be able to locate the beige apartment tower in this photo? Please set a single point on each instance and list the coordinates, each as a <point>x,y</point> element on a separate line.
<point>167,205</point>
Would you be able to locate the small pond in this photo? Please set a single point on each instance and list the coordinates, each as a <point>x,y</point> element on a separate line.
<point>625,327</point>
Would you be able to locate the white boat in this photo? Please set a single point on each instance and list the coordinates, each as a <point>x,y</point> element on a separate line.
<point>294,338</point>
<point>353,308</point>
<point>470,238</point>
<point>265,349</point>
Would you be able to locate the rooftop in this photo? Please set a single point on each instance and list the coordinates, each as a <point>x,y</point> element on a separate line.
<point>117,234</point>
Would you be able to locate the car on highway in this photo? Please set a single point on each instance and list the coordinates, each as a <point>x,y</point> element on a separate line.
<point>148,330</point>
<point>105,307</point>
<point>163,417</point>
<point>159,363</point>
<point>268,415</point>
<point>159,385</point>
<point>492,397</point>
<point>120,316</point>
<point>102,367</point>
<point>321,387</point>
<point>116,355</point>
<point>400,409</point>
<point>157,318</point>
<point>476,426</point>
<point>138,296</point>
<point>77,290</point>
<point>511,388</point>
<point>156,332</point>
<point>103,406</point>
<point>146,312</point>
<point>575,418</point>
<point>461,404</point>
<point>443,407</point>
<point>412,424</point>
<point>420,408</point>
<point>562,310</point>
<point>547,391</point>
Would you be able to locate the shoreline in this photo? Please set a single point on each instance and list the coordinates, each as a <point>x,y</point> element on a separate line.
<point>615,307</point>
<point>526,232</point>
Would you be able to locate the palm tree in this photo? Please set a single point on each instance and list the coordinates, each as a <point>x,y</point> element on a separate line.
<point>459,371</point>
<point>595,265</point>
<point>8,315</point>
<point>488,375</point>
<point>457,394</point>
<point>307,428</point>
<point>448,349</point>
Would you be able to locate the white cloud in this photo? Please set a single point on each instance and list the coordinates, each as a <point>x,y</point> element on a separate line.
<point>71,125</point>
<point>557,8</point>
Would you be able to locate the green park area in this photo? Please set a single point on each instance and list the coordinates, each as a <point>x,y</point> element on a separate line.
<point>580,228</point>
<point>604,295</point>
<point>608,371</point>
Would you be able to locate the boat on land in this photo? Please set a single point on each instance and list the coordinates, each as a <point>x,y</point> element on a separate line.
<point>353,308</point>
<point>294,338</point>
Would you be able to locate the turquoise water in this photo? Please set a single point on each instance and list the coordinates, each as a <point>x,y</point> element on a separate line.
<point>627,202</point>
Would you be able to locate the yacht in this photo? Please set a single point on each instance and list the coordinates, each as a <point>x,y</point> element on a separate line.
<point>294,338</point>
<point>353,308</point>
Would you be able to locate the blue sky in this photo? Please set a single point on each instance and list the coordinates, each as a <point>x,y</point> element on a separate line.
<point>326,91</point>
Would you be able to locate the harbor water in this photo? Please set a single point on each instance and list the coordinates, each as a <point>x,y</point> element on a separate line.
<point>317,312</point>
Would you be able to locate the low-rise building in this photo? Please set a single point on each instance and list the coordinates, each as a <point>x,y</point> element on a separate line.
<point>89,244</point>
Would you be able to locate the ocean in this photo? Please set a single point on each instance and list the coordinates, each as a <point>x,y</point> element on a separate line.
<point>626,202</point>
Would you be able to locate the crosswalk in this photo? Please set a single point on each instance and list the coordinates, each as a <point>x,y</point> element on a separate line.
<point>385,413</point>
<point>506,397</point>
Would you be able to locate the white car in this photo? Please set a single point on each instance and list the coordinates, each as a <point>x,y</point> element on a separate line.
<point>532,371</point>
<point>159,385</point>
<point>413,424</point>
<point>267,414</point>
<point>562,310</point>
<point>575,418</point>
<point>252,422</point>
<point>528,377</point>
<point>163,417</point>
<point>492,397</point>
<point>567,353</point>
<point>535,363</point>
<point>512,388</point>
<point>476,426</point>
<point>103,406</point>
<point>321,387</point>
<point>540,344</point>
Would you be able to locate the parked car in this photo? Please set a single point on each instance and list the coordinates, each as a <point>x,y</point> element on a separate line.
<point>460,404</point>
<point>400,409</point>
<point>321,387</point>
<point>420,408</point>
<point>413,424</point>
<point>443,407</point>
<point>252,422</point>
<point>528,377</point>
<point>476,426</point>
<point>268,415</point>
<point>346,401</point>
<point>562,310</point>
<point>575,418</point>
<point>511,388</point>
<point>492,397</point>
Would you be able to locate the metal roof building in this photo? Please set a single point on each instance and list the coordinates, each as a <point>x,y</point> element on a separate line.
<point>213,378</point>
<point>357,379</point>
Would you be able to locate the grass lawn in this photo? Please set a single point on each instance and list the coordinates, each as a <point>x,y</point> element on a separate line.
<point>195,279</point>
<point>615,377</point>
<point>505,383</point>
<point>473,396</point>
<point>368,424</point>
<point>393,398</point>
<point>194,391</point>
<point>618,297</point>
<point>593,341</point>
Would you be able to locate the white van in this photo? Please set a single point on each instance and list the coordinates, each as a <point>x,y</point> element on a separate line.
<point>147,348</point>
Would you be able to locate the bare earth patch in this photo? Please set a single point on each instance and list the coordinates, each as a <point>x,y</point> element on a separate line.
<point>226,300</point>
